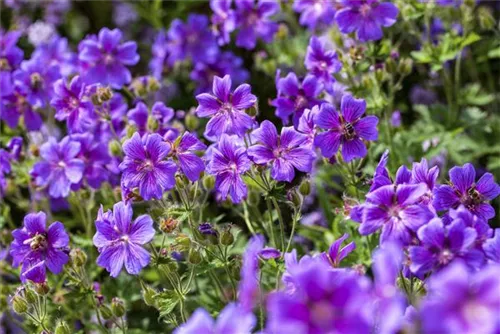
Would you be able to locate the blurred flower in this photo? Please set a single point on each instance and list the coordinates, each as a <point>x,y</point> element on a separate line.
<point>491,247</point>
<point>223,20</point>
<point>396,119</point>
<point>322,62</point>
<point>315,13</point>
<point>249,283</point>
<point>252,19</point>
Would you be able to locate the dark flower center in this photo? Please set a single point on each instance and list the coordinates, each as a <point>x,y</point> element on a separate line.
<point>4,64</point>
<point>348,131</point>
<point>36,80</point>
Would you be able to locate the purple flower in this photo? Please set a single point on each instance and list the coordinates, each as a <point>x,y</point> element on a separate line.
<point>223,20</point>
<point>395,209</point>
<point>207,229</point>
<point>36,247</point>
<point>315,12</point>
<point>459,301</point>
<point>120,241</point>
<point>284,152</point>
<point>390,303</point>
<point>307,126</point>
<point>347,129</point>
<point>15,105</point>
<point>15,147</point>
<point>36,81</point>
<point>253,21</point>
<point>226,63</point>
<point>381,176</point>
<point>232,320</point>
<point>60,167</point>
<point>491,247</point>
<point>184,153</point>
<point>324,301</point>
<point>366,17</point>
<point>72,103</point>
<point>160,55</point>
<point>192,39</point>
<point>161,114</point>
<point>229,162</point>
<point>441,245</point>
<point>225,109</point>
<point>107,59</point>
<point>464,190</point>
<point>10,58</point>
<point>336,254</point>
<point>145,167</point>
<point>483,230</point>
<point>249,283</point>
<point>322,62</point>
<point>294,97</point>
<point>56,53</point>
<point>95,156</point>
<point>396,119</point>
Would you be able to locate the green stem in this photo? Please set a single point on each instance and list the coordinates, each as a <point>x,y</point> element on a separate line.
<point>271,223</point>
<point>281,221</point>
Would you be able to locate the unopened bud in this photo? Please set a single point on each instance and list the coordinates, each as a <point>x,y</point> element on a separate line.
<point>153,123</point>
<point>19,305</point>
<point>131,129</point>
<point>252,111</point>
<point>30,295</point>
<point>106,312</point>
<point>405,66</point>
<point>485,18</point>
<point>62,328</point>
<point>226,237</point>
<point>194,256</point>
<point>78,257</point>
<point>208,182</point>
<point>118,307</point>
<point>390,65</point>
<point>305,187</point>
<point>295,198</point>
<point>153,84</point>
<point>115,148</point>
<point>192,122</point>
<point>42,288</point>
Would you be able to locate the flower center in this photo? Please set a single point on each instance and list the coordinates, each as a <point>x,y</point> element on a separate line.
<point>365,9</point>
<point>124,238</point>
<point>37,242</point>
<point>323,65</point>
<point>475,312</point>
<point>300,102</point>
<point>4,64</point>
<point>348,131</point>
<point>445,257</point>
<point>226,108</point>
<point>147,165</point>
<point>74,102</point>
<point>109,59</point>
<point>322,313</point>
<point>36,80</point>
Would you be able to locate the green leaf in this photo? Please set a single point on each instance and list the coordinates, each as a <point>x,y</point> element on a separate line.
<point>471,38</point>
<point>167,300</point>
<point>422,56</point>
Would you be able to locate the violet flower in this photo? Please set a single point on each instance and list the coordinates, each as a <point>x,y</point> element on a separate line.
<point>184,151</point>
<point>232,320</point>
<point>464,190</point>
<point>223,20</point>
<point>396,211</point>
<point>72,103</point>
<point>315,13</point>
<point>225,109</point>
<point>119,240</point>
<point>336,254</point>
<point>60,167</point>
<point>491,247</point>
<point>145,167</point>
<point>294,96</point>
<point>322,62</point>
<point>307,126</point>
<point>346,130</point>
<point>284,152</point>
<point>107,59</point>
<point>229,162</point>
<point>324,301</point>
<point>253,21</point>
<point>160,114</point>
<point>460,301</point>
<point>366,17</point>
<point>36,248</point>
<point>249,283</point>
<point>441,245</point>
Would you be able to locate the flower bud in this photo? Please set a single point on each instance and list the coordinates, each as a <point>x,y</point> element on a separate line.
<point>252,111</point>
<point>78,257</point>
<point>194,256</point>
<point>226,237</point>
<point>153,84</point>
<point>295,198</point>
<point>148,294</point>
<point>19,305</point>
<point>106,312</point>
<point>30,295</point>
<point>167,225</point>
<point>208,182</point>
<point>115,148</point>
<point>485,18</point>
<point>118,307</point>
<point>305,187</point>
<point>405,66</point>
<point>181,181</point>
<point>390,65</point>
<point>42,288</point>
<point>131,129</point>
<point>192,122</point>
<point>153,124</point>
<point>62,328</point>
